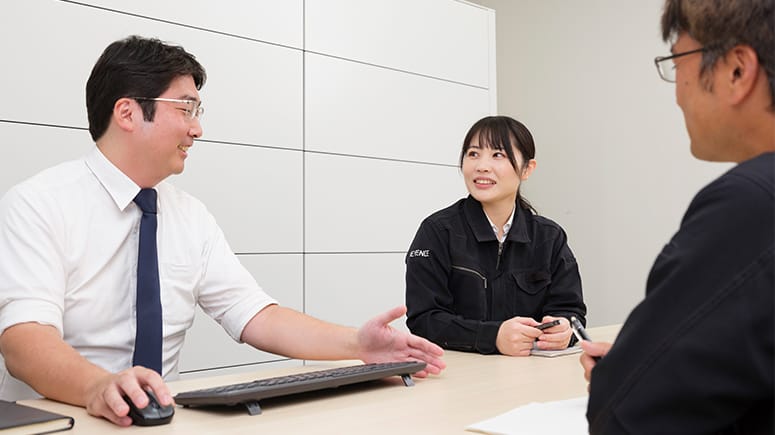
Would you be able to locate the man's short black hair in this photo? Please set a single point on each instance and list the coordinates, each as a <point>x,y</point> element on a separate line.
<point>135,66</point>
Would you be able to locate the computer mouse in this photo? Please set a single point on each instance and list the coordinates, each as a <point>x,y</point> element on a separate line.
<point>152,415</point>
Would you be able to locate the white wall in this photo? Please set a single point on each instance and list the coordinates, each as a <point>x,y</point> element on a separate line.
<point>333,125</point>
<point>614,166</point>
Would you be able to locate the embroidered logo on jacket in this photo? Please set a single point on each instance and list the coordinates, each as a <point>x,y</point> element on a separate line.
<point>420,253</point>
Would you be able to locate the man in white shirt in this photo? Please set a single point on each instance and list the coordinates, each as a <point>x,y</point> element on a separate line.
<point>68,293</point>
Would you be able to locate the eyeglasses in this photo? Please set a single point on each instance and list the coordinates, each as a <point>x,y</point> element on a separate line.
<point>192,110</point>
<point>666,69</point>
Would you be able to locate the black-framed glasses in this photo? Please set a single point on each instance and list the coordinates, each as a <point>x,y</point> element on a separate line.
<point>666,69</point>
<point>192,110</point>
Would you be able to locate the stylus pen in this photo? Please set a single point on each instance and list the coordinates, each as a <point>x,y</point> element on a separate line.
<point>580,332</point>
<point>547,325</point>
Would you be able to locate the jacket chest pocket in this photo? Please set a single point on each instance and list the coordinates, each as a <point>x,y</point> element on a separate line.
<point>529,292</point>
<point>468,287</point>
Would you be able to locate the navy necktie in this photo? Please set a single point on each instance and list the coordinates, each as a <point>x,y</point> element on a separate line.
<point>149,334</point>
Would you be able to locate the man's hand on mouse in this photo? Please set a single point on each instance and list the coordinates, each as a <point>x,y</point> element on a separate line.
<point>104,398</point>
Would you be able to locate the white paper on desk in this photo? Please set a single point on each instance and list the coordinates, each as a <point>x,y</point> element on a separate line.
<point>567,417</point>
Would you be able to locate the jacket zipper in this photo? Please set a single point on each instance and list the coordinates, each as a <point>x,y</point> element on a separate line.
<point>484,278</point>
<point>500,251</point>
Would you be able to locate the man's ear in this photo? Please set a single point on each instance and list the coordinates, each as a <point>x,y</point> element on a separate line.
<point>740,72</point>
<point>124,113</point>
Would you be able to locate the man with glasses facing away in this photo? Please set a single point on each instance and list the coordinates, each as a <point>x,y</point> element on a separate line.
<point>696,355</point>
<point>67,293</point>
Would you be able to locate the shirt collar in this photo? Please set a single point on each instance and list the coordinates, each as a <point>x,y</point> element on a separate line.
<point>120,187</point>
<point>506,227</point>
<point>482,227</point>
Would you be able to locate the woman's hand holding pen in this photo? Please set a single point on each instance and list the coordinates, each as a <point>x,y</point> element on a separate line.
<point>593,351</point>
<point>556,337</point>
<point>517,335</point>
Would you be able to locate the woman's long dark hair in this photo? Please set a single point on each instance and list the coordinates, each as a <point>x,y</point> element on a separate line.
<point>504,134</point>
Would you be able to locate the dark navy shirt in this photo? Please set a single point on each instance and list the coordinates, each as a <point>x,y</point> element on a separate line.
<point>461,284</point>
<point>696,355</point>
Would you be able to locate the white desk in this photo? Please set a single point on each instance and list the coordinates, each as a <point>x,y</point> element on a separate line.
<point>473,387</point>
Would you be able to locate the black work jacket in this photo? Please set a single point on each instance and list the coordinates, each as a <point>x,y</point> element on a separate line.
<point>461,283</point>
<point>696,355</point>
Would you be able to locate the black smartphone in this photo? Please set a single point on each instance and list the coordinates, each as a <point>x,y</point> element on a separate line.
<point>548,324</point>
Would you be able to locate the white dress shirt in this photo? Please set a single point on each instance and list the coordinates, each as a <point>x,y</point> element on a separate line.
<point>68,258</point>
<point>506,227</point>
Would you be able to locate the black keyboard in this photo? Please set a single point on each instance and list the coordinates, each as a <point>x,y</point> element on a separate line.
<point>249,393</point>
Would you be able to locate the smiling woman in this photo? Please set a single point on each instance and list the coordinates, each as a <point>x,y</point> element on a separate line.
<point>491,270</point>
